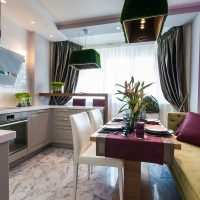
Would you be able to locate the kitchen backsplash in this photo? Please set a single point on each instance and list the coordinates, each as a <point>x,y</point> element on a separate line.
<point>15,38</point>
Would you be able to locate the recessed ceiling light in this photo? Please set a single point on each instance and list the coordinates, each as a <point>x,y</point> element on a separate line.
<point>51,36</point>
<point>118,28</point>
<point>3,1</point>
<point>32,22</point>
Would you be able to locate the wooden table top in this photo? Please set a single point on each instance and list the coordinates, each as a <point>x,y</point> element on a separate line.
<point>170,144</point>
<point>166,140</point>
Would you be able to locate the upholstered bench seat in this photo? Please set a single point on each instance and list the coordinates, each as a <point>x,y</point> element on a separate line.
<point>186,165</point>
<point>186,168</point>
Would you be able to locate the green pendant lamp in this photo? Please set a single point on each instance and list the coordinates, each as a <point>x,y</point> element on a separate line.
<point>85,59</point>
<point>143,20</point>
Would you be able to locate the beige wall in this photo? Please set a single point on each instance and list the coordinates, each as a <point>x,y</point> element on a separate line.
<point>39,49</point>
<point>187,33</point>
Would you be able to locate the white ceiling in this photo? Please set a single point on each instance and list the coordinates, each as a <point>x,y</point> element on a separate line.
<point>47,13</point>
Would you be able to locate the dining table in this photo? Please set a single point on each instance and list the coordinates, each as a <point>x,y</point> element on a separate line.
<point>152,148</point>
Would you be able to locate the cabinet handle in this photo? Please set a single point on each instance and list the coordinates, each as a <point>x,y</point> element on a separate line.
<point>65,128</point>
<point>65,119</point>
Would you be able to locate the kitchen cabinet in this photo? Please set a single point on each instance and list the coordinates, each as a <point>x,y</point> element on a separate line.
<point>61,126</point>
<point>62,132</point>
<point>38,129</point>
<point>108,100</point>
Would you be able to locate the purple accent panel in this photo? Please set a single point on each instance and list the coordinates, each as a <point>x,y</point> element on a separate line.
<point>131,148</point>
<point>187,8</point>
<point>79,102</point>
<point>99,102</point>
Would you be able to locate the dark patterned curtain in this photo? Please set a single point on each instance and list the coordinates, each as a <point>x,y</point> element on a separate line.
<point>60,71</point>
<point>171,68</point>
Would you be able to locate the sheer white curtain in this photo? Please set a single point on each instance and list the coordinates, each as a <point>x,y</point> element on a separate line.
<point>118,64</point>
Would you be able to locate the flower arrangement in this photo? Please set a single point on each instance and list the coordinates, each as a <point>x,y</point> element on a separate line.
<point>132,96</point>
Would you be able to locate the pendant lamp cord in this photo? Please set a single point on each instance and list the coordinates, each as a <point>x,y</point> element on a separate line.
<point>86,34</point>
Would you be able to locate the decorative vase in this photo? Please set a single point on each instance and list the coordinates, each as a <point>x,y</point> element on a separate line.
<point>133,120</point>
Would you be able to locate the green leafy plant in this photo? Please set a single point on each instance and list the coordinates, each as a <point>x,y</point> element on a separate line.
<point>23,99</point>
<point>152,105</point>
<point>56,86</point>
<point>132,95</point>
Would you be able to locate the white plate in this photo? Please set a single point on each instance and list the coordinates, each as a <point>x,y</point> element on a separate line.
<point>155,128</point>
<point>112,126</point>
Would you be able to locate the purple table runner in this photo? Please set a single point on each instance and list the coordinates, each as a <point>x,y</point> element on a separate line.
<point>150,149</point>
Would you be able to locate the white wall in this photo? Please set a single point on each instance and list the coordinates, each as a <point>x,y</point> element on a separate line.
<point>14,38</point>
<point>34,73</point>
<point>195,67</point>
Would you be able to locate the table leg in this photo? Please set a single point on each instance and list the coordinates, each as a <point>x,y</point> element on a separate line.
<point>132,180</point>
<point>136,182</point>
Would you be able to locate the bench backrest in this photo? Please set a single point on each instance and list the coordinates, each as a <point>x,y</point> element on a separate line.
<point>174,119</point>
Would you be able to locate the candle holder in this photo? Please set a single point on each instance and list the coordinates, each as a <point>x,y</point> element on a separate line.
<point>140,130</point>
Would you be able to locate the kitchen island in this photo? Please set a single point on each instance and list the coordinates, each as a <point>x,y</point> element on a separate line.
<point>5,137</point>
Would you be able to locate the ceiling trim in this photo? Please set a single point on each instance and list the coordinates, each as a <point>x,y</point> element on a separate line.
<point>88,22</point>
<point>187,8</point>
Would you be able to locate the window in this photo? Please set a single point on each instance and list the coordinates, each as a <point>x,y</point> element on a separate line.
<point>119,64</point>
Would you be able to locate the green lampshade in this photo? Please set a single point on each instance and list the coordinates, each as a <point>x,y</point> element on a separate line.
<point>149,13</point>
<point>85,59</point>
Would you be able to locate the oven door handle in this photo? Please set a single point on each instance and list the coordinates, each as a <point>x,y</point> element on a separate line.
<point>13,123</point>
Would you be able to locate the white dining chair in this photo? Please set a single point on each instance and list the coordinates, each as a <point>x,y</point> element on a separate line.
<point>85,150</point>
<point>96,119</point>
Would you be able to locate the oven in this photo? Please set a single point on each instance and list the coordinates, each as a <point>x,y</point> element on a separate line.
<point>16,122</point>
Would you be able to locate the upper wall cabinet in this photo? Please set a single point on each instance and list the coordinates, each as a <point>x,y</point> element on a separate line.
<point>10,64</point>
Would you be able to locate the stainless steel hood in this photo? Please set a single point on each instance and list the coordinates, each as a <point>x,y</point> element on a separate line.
<point>10,64</point>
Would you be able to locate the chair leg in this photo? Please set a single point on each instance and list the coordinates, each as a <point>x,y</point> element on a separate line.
<point>92,167</point>
<point>120,175</point>
<point>75,180</point>
<point>89,171</point>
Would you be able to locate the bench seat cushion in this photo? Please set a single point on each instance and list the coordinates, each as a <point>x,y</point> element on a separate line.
<point>186,168</point>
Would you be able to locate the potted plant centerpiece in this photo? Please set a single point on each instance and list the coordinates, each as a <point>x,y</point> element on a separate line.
<point>152,106</point>
<point>57,86</point>
<point>132,95</point>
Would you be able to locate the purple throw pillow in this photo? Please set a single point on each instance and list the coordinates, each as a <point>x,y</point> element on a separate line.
<point>179,128</point>
<point>190,129</point>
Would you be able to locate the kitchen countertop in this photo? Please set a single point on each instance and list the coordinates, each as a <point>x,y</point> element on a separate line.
<point>6,136</point>
<point>5,110</point>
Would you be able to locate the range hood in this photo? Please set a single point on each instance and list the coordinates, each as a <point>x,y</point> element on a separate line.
<point>142,20</point>
<point>10,64</point>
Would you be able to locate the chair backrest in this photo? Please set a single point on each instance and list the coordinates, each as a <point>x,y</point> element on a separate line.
<point>98,102</point>
<point>81,131</point>
<point>95,119</point>
<point>78,102</point>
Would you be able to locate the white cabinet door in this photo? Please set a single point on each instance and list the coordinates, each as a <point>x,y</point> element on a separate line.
<point>38,129</point>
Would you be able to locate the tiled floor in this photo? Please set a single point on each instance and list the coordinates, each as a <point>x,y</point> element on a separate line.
<point>49,176</point>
